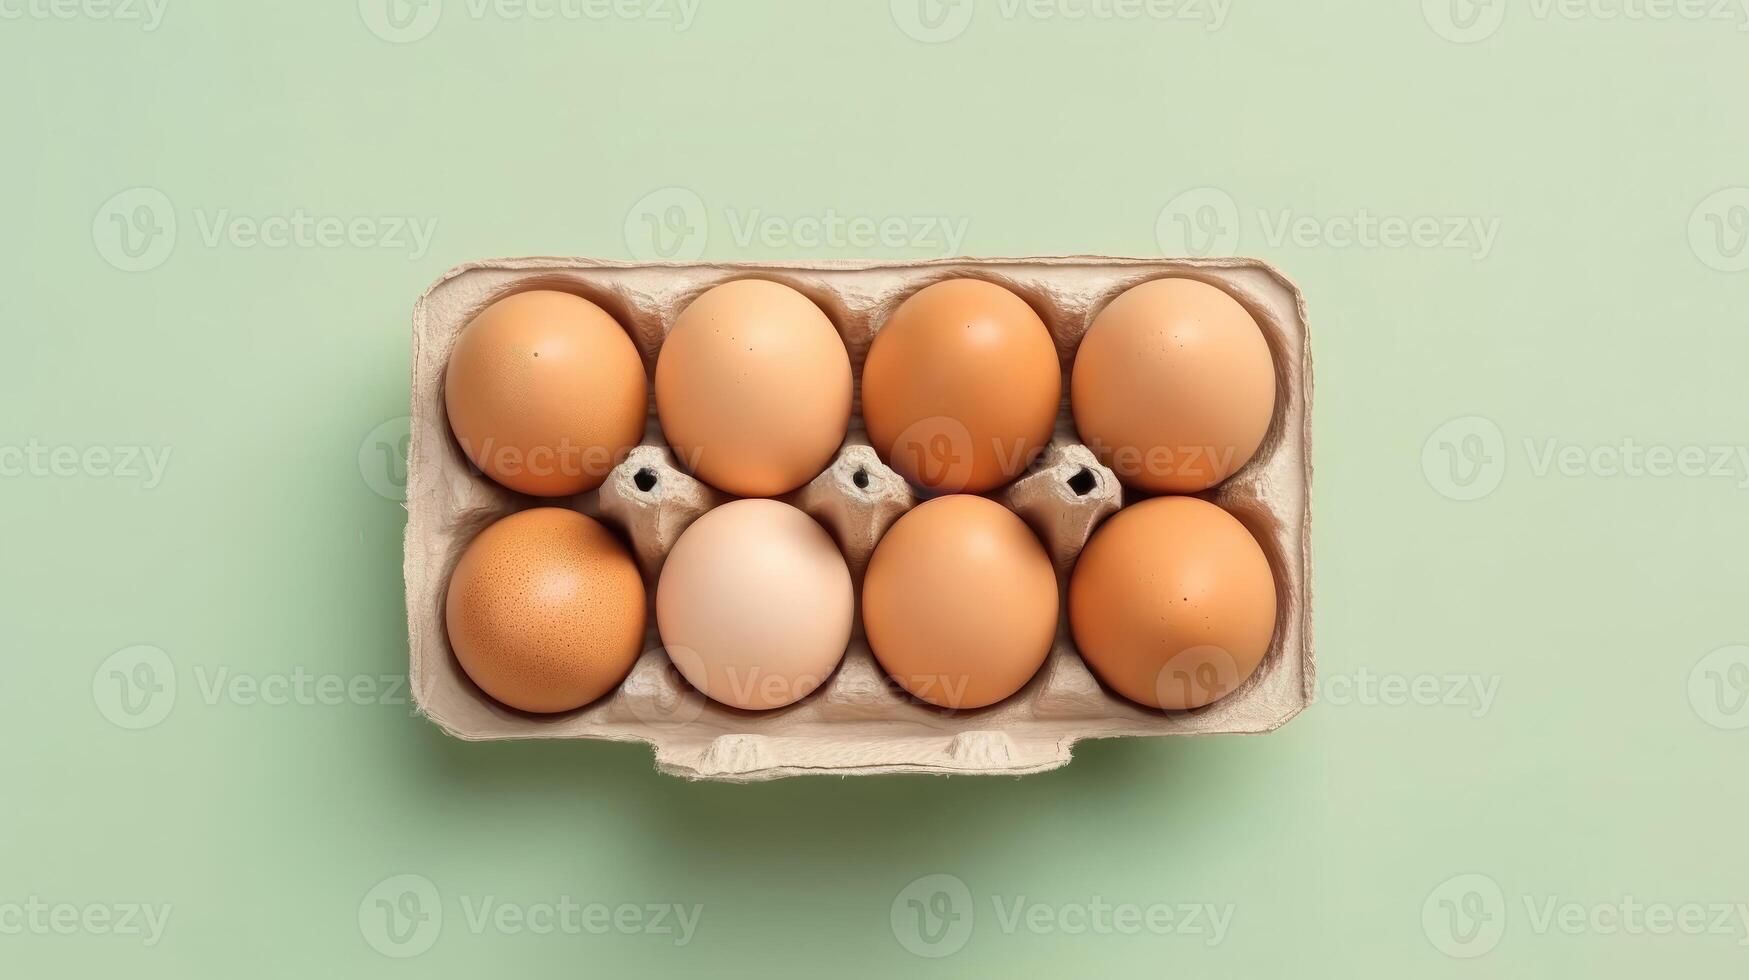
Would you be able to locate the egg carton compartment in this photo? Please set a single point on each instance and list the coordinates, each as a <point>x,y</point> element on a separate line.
<point>859,721</point>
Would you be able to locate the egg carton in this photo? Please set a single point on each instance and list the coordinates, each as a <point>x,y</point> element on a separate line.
<point>859,721</point>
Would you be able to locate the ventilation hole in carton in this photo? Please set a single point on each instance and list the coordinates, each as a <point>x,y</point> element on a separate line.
<point>1083,482</point>
<point>860,478</point>
<point>645,479</point>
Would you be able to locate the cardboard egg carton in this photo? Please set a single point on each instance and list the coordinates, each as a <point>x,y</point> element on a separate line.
<point>859,721</point>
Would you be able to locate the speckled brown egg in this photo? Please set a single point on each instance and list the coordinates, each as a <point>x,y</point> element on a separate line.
<point>961,388</point>
<point>1172,603</point>
<point>546,393</point>
<point>1173,386</point>
<point>546,610</point>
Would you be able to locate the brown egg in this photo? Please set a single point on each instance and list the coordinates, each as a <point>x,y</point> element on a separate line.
<point>961,387</point>
<point>1173,386</point>
<point>753,388</point>
<point>546,393</point>
<point>960,602</point>
<point>546,610</point>
<point>1172,603</point>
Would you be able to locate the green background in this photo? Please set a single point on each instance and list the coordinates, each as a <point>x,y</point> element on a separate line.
<point>1600,606</point>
